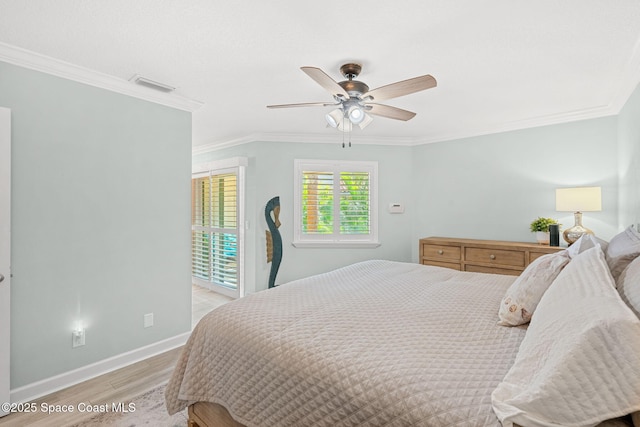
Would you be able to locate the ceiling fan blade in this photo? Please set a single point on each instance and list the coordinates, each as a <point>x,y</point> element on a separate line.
<point>401,88</point>
<point>304,104</point>
<point>389,112</point>
<point>325,81</point>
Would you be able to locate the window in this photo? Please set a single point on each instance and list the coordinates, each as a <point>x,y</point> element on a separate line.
<point>215,232</point>
<point>335,204</point>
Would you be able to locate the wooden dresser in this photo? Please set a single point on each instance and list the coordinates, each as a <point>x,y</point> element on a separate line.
<point>483,256</point>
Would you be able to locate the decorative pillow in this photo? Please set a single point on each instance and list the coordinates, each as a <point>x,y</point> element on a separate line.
<point>579,362</point>
<point>629,286</point>
<point>622,249</point>
<point>525,292</point>
<point>586,241</point>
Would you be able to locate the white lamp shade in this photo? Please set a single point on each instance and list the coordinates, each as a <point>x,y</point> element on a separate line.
<point>356,115</point>
<point>334,117</point>
<point>367,119</point>
<point>579,199</point>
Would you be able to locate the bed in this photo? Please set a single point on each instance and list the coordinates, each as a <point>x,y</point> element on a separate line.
<point>377,343</point>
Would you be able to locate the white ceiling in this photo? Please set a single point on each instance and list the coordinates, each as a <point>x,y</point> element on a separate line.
<point>500,64</point>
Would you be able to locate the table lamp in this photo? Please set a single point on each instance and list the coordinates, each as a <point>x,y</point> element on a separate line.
<point>578,200</point>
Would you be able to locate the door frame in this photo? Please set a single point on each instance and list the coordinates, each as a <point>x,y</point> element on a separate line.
<point>5,255</point>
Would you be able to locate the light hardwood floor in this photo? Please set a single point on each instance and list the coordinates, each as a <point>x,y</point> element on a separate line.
<point>117,386</point>
<point>203,301</point>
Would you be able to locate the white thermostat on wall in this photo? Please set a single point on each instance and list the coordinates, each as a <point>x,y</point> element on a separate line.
<point>396,208</point>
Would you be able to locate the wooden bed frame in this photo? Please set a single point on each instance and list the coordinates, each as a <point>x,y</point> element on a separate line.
<point>207,414</point>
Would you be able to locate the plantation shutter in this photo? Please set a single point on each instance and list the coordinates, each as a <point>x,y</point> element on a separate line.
<point>214,231</point>
<point>335,203</point>
<point>354,203</point>
<point>317,202</point>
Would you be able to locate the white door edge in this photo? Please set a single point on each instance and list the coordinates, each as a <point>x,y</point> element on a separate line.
<point>5,255</point>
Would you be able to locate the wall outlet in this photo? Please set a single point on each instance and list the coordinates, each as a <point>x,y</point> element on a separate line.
<point>148,320</point>
<point>77,338</point>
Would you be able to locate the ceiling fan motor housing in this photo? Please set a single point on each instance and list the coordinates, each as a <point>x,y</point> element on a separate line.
<point>354,87</point>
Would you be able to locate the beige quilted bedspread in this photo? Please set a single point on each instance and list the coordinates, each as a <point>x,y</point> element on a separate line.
<point>377,343</point>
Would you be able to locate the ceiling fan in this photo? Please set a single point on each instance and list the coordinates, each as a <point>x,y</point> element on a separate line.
<point>356,102</point>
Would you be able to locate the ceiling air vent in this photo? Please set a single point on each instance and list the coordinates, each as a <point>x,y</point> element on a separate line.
<point>143,81</point>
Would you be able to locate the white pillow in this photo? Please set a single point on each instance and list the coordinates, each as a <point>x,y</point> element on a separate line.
<point>623,248</point>
<point>629,286</point>
<point>586,241</point>
<point>579,362</point>
<point>524,294</point>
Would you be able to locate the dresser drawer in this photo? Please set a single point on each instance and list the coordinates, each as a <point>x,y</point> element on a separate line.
<point>441,252</point>
<point>454,266</point>
<point>495,256</point>
<point>492,270</point>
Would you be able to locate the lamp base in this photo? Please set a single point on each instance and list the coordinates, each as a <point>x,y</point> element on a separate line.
<point>571,235</point>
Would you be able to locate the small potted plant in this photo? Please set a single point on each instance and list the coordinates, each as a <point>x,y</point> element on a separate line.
<point>540,226</point>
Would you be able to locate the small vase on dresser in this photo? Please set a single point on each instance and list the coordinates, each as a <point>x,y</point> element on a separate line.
<point>542,237</point>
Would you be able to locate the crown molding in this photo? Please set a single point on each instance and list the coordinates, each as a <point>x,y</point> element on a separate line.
<point>35,61</point>
<point>534,122</point>
<point>304,138</point>
<point>566,117</point>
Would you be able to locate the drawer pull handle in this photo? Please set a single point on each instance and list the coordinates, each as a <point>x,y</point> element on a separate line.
<point>492,256</point>
<point>440,251</point>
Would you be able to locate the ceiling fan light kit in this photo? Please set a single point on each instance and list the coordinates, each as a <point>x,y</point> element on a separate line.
<point>365,122</point>
<point>355,102</point>
<point>335,117</point>
<point>356,114</point>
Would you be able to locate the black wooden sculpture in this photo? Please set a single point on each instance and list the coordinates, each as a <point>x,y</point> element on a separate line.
<point>274,241</point>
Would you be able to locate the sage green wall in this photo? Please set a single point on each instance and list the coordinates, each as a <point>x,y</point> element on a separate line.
<point>100,222</point>
<point>493,186</point>
<point>270,173</point>
<point>629,161</point>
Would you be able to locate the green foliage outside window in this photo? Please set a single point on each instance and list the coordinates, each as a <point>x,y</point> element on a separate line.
<point>318,195</point>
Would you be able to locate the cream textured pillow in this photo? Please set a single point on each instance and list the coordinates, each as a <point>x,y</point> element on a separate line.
<point>622,249</point>
<point>629,286</point>
<point>579,363</point>
<point>525,292</point>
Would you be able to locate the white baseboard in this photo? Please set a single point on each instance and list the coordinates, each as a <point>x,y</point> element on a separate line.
<point>41,388</point>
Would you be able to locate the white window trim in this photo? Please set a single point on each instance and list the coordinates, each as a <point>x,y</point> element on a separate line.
<point>222,166</point>
<point>333,241</point>
<point>219,164</point>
